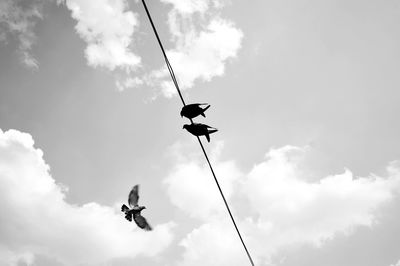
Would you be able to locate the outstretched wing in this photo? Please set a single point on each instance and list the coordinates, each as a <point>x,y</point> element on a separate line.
<point>134,196</point>
<point>141,222</point>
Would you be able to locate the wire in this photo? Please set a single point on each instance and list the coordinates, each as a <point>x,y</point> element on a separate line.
<point>171,71</point>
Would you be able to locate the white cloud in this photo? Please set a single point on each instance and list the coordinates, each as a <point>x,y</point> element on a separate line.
<point>202,55</point>
<point>203,43</point>
<point>18,19</point>
<point>189,6</point>
<point>278,207</point>
<point>397,264</point>
<point>214,243</point>
<point>203,40</point>
<point>36,219</point>
<point>191,187</point>
<point>108,29</point>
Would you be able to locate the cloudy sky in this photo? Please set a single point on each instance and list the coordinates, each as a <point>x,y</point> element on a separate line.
<point>305,95</point>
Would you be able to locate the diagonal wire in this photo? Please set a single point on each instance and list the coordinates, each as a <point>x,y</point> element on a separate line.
<point>171,71</point>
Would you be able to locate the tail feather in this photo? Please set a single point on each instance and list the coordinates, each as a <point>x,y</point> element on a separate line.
<point>207,137</point>
<point>128,216</point>
<point>205,108</point>
<point>212,131</point>
<point>124,208</point>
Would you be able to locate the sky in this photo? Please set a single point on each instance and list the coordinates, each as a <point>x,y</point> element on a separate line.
<point>305,97</point>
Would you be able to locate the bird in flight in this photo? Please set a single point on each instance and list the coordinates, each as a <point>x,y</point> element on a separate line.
<point>134,211</point>
<point>198,129</point>
<point>192,110</point>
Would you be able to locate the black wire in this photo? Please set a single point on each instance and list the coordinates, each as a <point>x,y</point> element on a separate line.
<point>171,71</point>
<point>226,203</point>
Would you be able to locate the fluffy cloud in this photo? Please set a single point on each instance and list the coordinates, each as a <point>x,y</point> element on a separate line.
<point>18,18</point>
<point>108,29</point>
<point>36,219</point>
<point>202,55</point>
<point>190,6</point>
<point>192,189</point>
<point>203,43</point>
<point>397,264</point>
<point>278,209</point>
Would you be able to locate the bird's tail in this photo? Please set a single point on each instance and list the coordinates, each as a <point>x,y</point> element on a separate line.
<point>212,130</point>
<point>124,208</point>
<point>208,106</point>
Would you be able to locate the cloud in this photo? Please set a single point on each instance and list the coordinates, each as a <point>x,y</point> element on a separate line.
<point>107,27</point>
<point>397,264</point>
<point>36,219</point>
<point>191,188</point>
<point>202,55</point>
<point>18,18</point>
<point>274,205</point>
<point>190,6</point>
<point>203,43</point>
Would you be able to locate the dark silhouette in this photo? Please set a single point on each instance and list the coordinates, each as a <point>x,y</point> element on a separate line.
<point>192,110</point>
<point>198,129</point>
<point>136,209</point>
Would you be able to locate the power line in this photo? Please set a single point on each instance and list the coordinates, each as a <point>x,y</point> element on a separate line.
<point>171,71</point>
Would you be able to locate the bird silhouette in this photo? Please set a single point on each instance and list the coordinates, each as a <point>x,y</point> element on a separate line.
<point>135,210</point>
<point>192,110</point>
<point>198,129</point>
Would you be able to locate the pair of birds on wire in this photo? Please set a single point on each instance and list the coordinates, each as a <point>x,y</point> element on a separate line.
<point>193,110</point>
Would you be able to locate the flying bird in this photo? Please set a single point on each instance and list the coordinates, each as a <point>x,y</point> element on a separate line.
<point>198,129</point>
<point>192,110</point>
<point>135,210</point>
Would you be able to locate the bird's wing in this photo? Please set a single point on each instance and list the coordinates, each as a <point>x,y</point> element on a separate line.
<point>142,222</point>
<point>134,196</point>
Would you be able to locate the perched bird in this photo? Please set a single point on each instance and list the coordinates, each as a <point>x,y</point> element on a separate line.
<point>136,209</point>
<point>192,110</point>
<point>198,129</point>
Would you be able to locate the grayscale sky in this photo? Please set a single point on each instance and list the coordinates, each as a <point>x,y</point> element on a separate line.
<point>305,95</point>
